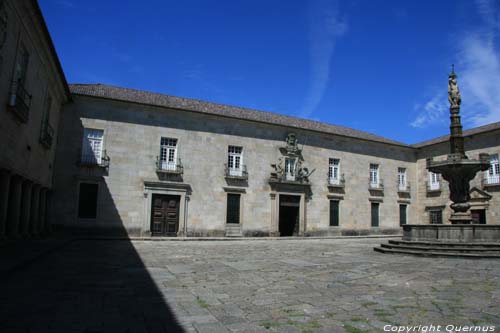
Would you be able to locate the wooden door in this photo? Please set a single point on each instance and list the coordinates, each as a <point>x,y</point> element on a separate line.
<point>165,215</point>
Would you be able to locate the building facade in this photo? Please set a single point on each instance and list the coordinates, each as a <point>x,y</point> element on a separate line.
<point>32,91</point>
<point>151,164</point>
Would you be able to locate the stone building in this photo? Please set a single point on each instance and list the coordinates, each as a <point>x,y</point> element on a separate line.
<point>154,164</point>
<point>32,91</point>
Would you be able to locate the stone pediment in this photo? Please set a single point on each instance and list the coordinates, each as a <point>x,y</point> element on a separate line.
<point>479,195</point>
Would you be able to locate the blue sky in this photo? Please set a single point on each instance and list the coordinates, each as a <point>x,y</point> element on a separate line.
<point>377,66</point>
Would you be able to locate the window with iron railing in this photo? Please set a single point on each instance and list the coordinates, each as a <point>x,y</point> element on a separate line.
<point>168,154</point>
<point>20,99</point>
<point>235,161</point>
<point>374,176</point>
<point>402,183</point>
<point>92,146</point>
<point>334,171</point>
<point>434,183</point>
<point>492,175</point>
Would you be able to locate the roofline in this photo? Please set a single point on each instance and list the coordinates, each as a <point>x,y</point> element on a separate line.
<point>467,133</point>
<point>402,145</point>
<point>52,48</point>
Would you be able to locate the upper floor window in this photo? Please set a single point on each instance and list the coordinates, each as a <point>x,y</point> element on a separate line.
<point>493,173</point>
<point>92,146</point>
<point>168,154</point>
<point>374,176</point>
<point>290,168</point>
<point>47,131</point>
<point>402,185</point>
<point>235,161</point>
<point>334,171</point>
<point>19,98</point>
<point>434,179</point>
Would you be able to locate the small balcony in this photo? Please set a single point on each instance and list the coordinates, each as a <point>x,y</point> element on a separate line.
<point>20,101</point>
<point>336,182</point>
<point>433,187</point>
<point>376,186</point>
<point>404,188</point>
<point>491,181</point>
<point>47,135</point>
<point>90,160</point>
<point>168,167</point>
<point>233,173</point>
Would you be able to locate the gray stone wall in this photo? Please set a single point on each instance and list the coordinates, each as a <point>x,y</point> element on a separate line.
<point>132,136</point>
<point>21,151</point>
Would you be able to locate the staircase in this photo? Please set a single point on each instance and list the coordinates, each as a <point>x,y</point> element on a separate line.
<point>441,249</point>
<point>233,230</point>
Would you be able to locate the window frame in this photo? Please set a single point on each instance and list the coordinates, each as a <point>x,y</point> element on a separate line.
<point>402,179</point>
<point>434,181</point>
<point>334,220</point>
<point>374,174</point>
<point>433,211</point>
<point>403,219</point>
<point>228,195</point>
<point>493,173</point>
<point>334,171</point>
<point>168,153</point>
<point>235,157</point>
<point>89,155</point>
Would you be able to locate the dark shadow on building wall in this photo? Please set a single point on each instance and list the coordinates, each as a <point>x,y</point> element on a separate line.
<point>90,284</point>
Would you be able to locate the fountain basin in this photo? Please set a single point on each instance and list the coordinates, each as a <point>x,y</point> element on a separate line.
<point>461,233</point>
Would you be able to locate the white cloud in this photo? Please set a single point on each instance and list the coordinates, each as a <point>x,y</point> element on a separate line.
<point>478,72</point>
<point>432,112</point>
<point>325,25</point>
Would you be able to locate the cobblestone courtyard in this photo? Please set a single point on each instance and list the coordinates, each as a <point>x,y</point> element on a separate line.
<point>328,285</point>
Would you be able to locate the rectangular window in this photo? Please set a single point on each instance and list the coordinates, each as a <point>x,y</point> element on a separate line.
<point>374,180</point>
<point>434,179</point>
<point>168,154</point>
<point>375,214</point>
<point>334,171</point>
<point>402,214</point>
<point>436,216</point>
<point>334,213</point>
<point>402,179</point>
<point>21,70</point>
<point>493,173</point>
<point>87,201</point>
<point>233,208</point>
<point>235,161</point>
<point>92,146</point>
<point>290,168</point>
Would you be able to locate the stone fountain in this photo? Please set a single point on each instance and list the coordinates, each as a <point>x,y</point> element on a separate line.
<point>460,238</point>
<point>458,170</point>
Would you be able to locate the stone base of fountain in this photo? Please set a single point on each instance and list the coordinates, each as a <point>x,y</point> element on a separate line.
<point>460,233</point>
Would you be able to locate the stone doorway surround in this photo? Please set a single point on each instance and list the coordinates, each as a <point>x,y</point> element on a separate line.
<point>275,208</point>
<point>166,188</point>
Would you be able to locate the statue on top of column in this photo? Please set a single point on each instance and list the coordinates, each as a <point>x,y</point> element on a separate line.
<point>453,92</point>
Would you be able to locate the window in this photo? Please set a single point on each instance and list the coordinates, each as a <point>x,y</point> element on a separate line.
<point>402,179</point>
<point>233,208</point>
<point>402,214</point>
<point>374,181</point>
<point>436,216</point>
<point>92,146</point>
<point>47,132</point>
<point>334,213</point>
<point>87,201</point>
<point>168,154</point>
<point>235,161</point>
<point>434,179</point>
<point>375,212</point>
<point>493,173</point>
<point>290,168</point>
<point>334,171</point>
<point>19,98</point>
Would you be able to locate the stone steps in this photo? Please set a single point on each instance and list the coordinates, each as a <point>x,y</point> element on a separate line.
<point>441,249</point>
<point>233,230</point>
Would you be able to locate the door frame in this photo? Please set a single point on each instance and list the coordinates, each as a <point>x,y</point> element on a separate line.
<point>166,198</point>
<point>275,210</point>
<point>182,190</point>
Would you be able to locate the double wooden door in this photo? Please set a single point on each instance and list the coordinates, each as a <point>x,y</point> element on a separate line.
<point>165,215</point>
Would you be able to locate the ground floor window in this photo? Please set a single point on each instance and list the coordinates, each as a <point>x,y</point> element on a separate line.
<point>87,200</point>
<point>334,213</point>
<point>375,214</point>
<point>436,216</point>
<point>233,208</point>
<point>402,214</point>
<point>478,216</point>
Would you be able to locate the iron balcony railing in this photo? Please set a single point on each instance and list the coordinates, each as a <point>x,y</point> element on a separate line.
<point>406,187</point>
<point>47,134</point>
<point>173,167</point>
<point>20,101</point>
<point>339,181</point>
<point>379,185</point>
<point>491,180</point>
<point>92,160</point>
<point>433,186</point>
<point>240,173</point>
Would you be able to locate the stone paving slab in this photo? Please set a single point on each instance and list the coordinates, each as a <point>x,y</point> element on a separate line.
<point>294,285</point>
